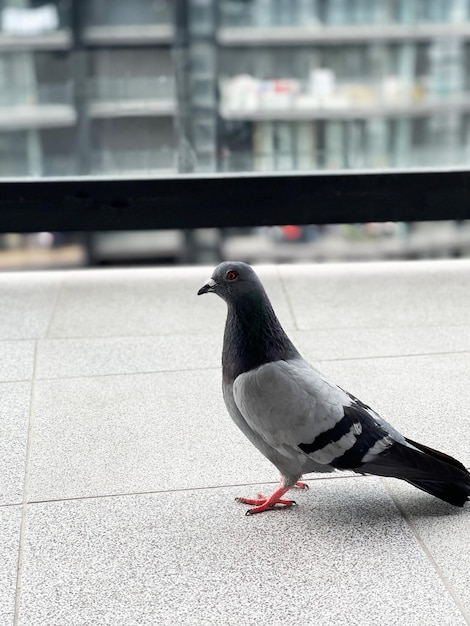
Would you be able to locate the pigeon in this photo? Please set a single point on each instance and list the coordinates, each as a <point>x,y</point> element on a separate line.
<point>297,418</point>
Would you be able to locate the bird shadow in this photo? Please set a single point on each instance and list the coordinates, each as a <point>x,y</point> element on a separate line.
<point>374,508</point>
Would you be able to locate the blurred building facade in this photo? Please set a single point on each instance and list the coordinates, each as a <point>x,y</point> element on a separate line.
<point>346,84</point>
<point>86,87</point>
<point>103,87</point>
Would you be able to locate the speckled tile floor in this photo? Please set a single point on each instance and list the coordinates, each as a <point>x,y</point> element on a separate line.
<point>119,465</point>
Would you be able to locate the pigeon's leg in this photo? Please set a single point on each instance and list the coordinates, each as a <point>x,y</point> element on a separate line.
<point>299,484</point>
<point>264,503</point>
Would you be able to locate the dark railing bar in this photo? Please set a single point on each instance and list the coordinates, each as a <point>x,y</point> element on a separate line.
<point>229,200</point>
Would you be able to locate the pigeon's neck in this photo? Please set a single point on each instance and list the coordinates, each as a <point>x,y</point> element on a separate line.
<point>253,336</point>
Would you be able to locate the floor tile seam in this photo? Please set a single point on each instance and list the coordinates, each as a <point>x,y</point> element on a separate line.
<point>47,338</point>
<point>287,297</point>
<point>6,505</point>
<point>428,554</point>
<point>143,373</point>
<point>215,368</point>
<point>392,356</point>
<point>17,340</point>
<point>185,490</point>
<point>25,504</point>
<point>388,327</point>
<point>54,307</point>
<point>297,328</point>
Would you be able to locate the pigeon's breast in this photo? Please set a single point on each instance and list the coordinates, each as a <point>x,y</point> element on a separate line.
<point>288,402</point>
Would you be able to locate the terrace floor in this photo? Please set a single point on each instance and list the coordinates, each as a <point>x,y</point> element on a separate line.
<point>119,465</point>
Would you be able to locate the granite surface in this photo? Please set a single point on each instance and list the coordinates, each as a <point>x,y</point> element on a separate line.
<point>119,466</point>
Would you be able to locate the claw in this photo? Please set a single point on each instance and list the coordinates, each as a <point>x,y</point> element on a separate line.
<point>302,485</point>
<point>259,509</point>
<point>264,503</point>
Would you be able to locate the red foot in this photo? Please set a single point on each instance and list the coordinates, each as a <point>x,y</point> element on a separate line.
<point>264,503</point>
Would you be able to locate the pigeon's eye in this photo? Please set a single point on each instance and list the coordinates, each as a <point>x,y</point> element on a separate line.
<point>231,275</point>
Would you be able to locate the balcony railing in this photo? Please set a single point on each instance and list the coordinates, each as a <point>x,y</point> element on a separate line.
<point>37,95</point>
<point>324,91</point>
<point>282,13</point>
<point>133,161</point>
<point>143,34</point>
<point>104,89</point>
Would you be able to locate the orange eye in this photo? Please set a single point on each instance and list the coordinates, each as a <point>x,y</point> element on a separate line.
<point>231,275</point>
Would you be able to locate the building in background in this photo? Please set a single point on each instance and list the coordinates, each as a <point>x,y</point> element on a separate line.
<point>159,86</point>
<point>344,83</point>
<point>86,87</point>
<point>152,87</point>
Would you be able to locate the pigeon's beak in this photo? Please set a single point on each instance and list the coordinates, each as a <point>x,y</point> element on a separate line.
<point>209,287</point>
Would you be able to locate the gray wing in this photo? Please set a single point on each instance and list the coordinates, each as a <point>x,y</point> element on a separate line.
<point>288,402</point>
<point>291,462</point>
<point>292,405</point>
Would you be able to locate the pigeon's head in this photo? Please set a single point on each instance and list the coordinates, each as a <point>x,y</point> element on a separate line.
<point>231,280</point>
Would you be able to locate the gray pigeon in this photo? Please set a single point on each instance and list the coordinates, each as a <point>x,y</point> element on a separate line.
<point>300,420</point>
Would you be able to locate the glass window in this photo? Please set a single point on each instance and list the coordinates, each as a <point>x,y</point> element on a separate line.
<point>156,88</point>
<point>153,86</point>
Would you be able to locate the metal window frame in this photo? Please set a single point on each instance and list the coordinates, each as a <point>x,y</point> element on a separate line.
<point>232,200</point>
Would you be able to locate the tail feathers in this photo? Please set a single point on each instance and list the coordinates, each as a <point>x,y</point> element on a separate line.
<point>430,470</point>
<point>453,493</point>
<point>440,456</point>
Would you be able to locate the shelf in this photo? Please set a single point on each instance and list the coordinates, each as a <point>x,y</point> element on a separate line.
<point>332,35</point>
<point>445,105</point>
<point>37,116</point>
<point>57,40</point>
<point>129,35</point>
<point>132,108</point>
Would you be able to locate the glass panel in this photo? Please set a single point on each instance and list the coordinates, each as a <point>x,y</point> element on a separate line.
<point>154,87</point>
